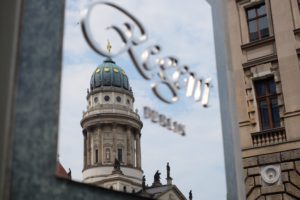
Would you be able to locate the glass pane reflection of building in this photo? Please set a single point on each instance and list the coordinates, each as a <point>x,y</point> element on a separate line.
<point>112,138</point>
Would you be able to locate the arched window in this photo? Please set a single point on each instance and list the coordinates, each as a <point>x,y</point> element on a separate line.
<point>120,155</point>
<point>96,156</point>
<point>107,154</point>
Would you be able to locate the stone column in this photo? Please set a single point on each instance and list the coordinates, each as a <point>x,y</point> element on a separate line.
<point>129,146</point>
<point>100,149</point>
<point>114,145</point>
<point>88,145</point>
<point>138,151</point>
<point>84,150</point>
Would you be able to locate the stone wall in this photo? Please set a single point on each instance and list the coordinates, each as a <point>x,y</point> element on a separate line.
<point>273,176</point>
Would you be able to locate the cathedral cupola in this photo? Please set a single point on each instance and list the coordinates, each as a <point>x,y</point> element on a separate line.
<point>109,74</point>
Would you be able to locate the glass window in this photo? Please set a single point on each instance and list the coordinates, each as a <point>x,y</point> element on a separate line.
<point>257,22</point>
<point>261,9</point>
<point>253,30</point>
<point>120,158</point>
<point>107,154</point>
<point>96,156</point>
<point>251,13</point>
<point>118,99</point>
<point>266,98</point>
<point>106,98</point>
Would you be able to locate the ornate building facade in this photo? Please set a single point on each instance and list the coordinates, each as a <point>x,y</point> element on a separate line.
<point>112,138</point>
<point>265,47</point>
<point>111,131</point>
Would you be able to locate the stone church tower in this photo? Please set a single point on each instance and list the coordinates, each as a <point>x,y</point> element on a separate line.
<point>112,131</point>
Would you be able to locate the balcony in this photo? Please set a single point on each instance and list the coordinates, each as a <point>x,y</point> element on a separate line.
<point>268,137</point>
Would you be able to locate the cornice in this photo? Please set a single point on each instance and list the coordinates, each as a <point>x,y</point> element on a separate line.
<point>258,43</point>
<point>260,60</point>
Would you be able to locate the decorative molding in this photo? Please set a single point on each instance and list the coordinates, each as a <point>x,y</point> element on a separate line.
<point>245,123</point>
<point>263,41</point>
<point>291,114</point>
<point>268,137</point>
<point>109,89</point>
<point>270,174</point>
<point>260,60</point>
<point>297,31</point>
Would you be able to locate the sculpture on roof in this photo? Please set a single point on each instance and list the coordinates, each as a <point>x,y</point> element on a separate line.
<point>157,176</point>
<point>144,182</point>
<point>190,195</point>
<point>168,171</point>
<point>117,165</point>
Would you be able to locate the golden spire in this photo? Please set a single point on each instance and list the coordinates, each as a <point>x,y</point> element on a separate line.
<point>108,46</point>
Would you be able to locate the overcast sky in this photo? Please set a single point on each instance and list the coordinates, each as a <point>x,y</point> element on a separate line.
<point>183,30</point>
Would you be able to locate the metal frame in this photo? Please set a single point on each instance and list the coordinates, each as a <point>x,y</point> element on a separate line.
<point>31,60</point>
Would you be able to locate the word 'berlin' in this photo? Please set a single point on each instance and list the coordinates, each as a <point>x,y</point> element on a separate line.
<point>164,121</point>
<point>166,71</point>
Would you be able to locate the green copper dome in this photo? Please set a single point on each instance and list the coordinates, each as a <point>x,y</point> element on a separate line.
<point>109,74</point>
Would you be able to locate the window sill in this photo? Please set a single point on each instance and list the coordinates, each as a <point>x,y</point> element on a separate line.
<point>258,42</point>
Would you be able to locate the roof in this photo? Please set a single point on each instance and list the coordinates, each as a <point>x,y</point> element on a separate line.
<point>61,172</point>
<point>158,191</point>
<point>109,74</point>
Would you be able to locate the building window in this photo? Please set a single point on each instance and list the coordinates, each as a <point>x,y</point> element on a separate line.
<point>257,22</point>
<point>120,156</point>
<point>96,156</point>
<point>266,99</point>
<point>107,154</point>
<point>118,99</point>
<point>106,98</point>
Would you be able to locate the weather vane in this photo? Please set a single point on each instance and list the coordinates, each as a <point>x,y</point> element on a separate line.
<point>108,46</point>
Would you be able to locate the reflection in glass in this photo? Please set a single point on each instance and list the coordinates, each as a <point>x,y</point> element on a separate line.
<point>261,10</point>
<point>257,22</point>
<point>264,115</point>
<point>100,144</point>
<point>264,27</point>
<point>266,97</point>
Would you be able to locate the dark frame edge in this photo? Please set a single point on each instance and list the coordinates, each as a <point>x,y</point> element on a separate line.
<point>9,27</point>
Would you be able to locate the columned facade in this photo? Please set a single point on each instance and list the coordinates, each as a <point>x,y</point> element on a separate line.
<point>111,131</point>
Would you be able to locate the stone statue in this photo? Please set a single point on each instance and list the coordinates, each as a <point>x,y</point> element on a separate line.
<point>190,195</point>
<point>70,173</point>
<point>168,171</point>
<point>117,165</point>
<point>157,177</point>
<point>144,182</point>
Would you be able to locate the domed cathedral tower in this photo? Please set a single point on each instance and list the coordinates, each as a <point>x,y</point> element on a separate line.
<point>112,131</point>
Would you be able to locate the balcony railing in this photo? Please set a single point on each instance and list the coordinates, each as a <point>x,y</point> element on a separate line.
<point>268,137</point>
